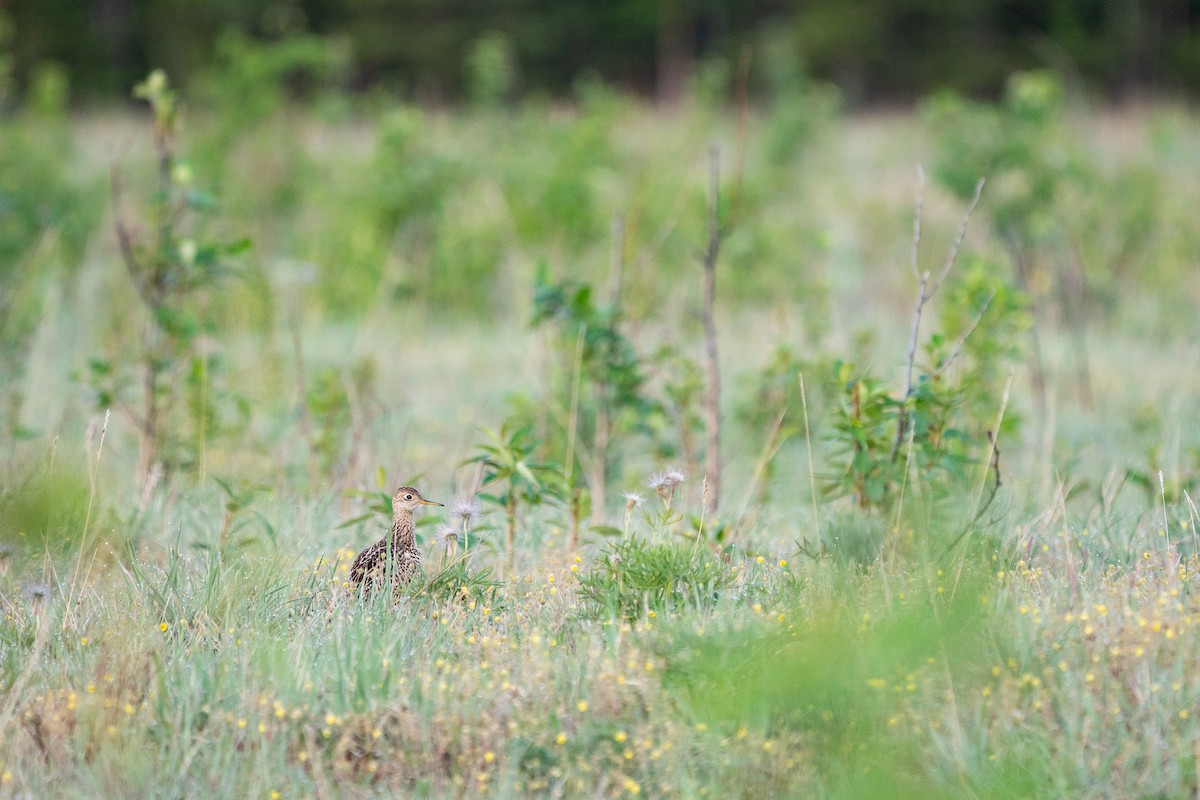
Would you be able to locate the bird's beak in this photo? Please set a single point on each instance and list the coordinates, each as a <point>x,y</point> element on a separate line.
<point>431,503</point>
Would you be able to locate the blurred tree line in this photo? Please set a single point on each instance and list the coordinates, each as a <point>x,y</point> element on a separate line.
<point>876,50</point>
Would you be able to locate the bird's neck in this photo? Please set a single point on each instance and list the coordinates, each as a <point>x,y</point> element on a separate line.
<point>402,529</point>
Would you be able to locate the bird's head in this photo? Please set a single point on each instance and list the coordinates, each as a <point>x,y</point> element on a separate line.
<point>407,499</point>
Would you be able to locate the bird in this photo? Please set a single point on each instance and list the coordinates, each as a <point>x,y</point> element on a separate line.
<point>394,557</point>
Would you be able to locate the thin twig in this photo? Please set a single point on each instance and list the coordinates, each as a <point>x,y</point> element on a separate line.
<point>918,203</point>
<point>573,413</point>
<point>994,466</point>
<point>958,239</point>
<point>958,346</point>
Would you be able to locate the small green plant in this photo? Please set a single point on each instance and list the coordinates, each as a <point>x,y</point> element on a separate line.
<point>175,270</point>
<point>633,579</point>
<point>516,480</point>
<point>775,403</point>
<point>605,387</point>
<point>458,581</point>
<point>941,422</point>
<point>336,414</point>
<point>240,515</point>
<point>682,391</point>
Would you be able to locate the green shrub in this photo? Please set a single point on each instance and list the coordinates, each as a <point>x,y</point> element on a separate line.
<point>633,578</point>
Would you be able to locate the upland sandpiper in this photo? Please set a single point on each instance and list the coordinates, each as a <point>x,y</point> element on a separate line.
<point>394,557</point>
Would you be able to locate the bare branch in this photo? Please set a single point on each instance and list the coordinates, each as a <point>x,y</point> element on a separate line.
<point>919,202</point>
<point>962,232</point>
<point>925,293</point>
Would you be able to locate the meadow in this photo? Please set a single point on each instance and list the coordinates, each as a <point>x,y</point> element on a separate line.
<point>952,552</point>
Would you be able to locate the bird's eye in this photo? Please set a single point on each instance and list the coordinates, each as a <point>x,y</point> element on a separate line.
<point>408,497</point>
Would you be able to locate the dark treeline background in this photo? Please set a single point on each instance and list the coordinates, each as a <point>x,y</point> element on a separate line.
<point>875,50</point>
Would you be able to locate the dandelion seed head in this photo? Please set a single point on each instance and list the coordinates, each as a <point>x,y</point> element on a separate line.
<point>447,537</point>
<point>666,481</point>
<point>467,509</point>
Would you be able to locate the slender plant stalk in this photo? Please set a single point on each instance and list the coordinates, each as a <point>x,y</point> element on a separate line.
<point>603,433</point>
<point>770,447</point>
<point>812,467</point>
<point>306,429</point>
<point>712,401</point>
<point>573,414</point>
<point>87,519</point>
<point>511,510</point>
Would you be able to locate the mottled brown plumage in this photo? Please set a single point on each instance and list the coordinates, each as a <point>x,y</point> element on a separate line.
<point>396,556</point>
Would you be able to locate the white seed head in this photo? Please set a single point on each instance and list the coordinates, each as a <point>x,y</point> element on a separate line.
<point>666,481</point>
<point>467,509</point>
<point>447,537</point>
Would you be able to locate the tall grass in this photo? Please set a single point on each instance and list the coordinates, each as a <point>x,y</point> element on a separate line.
<point>196,636</point>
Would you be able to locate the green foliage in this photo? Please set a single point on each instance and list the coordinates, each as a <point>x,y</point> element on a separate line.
<point>864,428</point>
<point>331,405</point>
<point>633,578</point>
<point>553,187</point>
<point>245,123</point>
<point>944,425</point>
<point>802,109</point>
<point>851,537</point>
<point>1023,147</point>
<point>833,677</point>
<point>608,360</point>
<point>1073,225</point>
<point>175,274</point>
<point>243,524</point>
<point>44,513</point>
<point>48,211</point>
<point>681,380</point>
<point>984,360</point>
<point>505,455</point>
<point>512,477</point>
<point>599,371</point>
<point>253,80</point>
<point>491,71</point>
<point>458,582</point>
